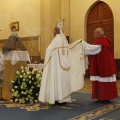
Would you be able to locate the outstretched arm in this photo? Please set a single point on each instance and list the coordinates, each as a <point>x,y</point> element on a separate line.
<point>88,49</point>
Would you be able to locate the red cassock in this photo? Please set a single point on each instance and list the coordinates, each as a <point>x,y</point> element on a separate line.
<point>103,65</point>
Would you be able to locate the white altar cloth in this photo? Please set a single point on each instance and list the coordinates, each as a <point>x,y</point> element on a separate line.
<point>15,56</point>
<point>38,66</point>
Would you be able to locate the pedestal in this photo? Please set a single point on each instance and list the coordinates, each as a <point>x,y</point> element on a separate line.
<point>9,74</point>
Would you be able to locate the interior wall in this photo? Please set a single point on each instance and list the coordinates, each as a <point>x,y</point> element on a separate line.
<point>65,13</point>
<point>27,12</point>
<point>78,15</point>
<point>50,10</point>
<point>78,10</point>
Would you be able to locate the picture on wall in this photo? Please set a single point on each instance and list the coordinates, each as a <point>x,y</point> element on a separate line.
<point>15,24</point>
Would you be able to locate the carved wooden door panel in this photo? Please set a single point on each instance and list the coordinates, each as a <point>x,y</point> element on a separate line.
<point>100,16</point>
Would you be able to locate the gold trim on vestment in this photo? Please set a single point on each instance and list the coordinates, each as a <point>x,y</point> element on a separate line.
<point>55,100</point>
<point>65,69</point>
<point>64,97</point>
<point>59,47</point>
<point>51,56</point>
<point>76,45</point>
<point>47,62</point>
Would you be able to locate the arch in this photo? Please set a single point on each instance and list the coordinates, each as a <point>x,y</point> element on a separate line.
<point>100,15</point>
<point>86,16</point>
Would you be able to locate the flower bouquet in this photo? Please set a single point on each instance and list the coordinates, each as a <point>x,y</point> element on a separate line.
<point>26,85</point>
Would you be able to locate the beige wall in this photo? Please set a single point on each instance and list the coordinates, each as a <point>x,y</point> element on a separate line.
<point>78,13</point>
<point>50,10</point>
<point>27,12</point>
<point>65,13</point>
<point>78,9</point>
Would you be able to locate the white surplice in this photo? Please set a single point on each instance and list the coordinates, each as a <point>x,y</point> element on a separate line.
<point>88,49</point>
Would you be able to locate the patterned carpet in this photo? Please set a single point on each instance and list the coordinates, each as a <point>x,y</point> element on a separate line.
<point>81,108</point>
<point>108,112</point>
<point>114,115</point>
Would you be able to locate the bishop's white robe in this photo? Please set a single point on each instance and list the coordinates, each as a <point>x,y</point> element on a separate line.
<point>55,85</point>
<point>78,65</point>
<point>63,73</point>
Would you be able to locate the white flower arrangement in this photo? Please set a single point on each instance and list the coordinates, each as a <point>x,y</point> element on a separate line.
<point>27,98</point>
<point>22,71</point>
<point>16,100</point>
<point>36,101</point>
<point>21,76</point>
<point>11,100</point>
<point>22,67</point>
<point>29,82</point>
<point>29,76</point>
<point>15,87</point>
<point>26,85</point>
<point>12,90</point>
<point>17,72</point>
<point>12,81</point>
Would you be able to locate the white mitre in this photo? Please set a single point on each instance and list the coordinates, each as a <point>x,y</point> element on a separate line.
<point>59,24</point>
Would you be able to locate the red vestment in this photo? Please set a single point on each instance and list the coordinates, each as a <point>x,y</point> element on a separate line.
<point>103,65</point>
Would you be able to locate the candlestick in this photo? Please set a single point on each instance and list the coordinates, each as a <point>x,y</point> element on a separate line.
<point>39,43</point>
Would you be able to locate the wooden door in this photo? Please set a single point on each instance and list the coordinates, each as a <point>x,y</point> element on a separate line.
<point>100,16</point>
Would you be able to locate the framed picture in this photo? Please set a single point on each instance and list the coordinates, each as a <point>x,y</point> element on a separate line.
<point>15,24</point>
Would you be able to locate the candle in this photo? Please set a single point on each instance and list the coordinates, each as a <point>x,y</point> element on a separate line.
<point>31,53</point>
<point>39,43</point>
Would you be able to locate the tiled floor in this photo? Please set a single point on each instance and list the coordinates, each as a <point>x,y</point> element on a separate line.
<point>88,86</point>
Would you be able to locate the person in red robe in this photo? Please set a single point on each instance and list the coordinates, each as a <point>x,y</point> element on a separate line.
<point>102,69</point>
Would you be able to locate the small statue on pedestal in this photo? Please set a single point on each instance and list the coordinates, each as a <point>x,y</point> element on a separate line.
<point>13,42</point>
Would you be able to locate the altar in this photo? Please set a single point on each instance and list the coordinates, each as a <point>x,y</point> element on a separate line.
<point>37,66</point>
<point>12,62</point>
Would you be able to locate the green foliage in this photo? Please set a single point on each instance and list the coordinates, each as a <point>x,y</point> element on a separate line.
<point>26,85</point>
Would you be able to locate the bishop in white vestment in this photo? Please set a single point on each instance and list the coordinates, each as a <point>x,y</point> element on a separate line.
<point>64,69</point>
<point>55,85</point>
